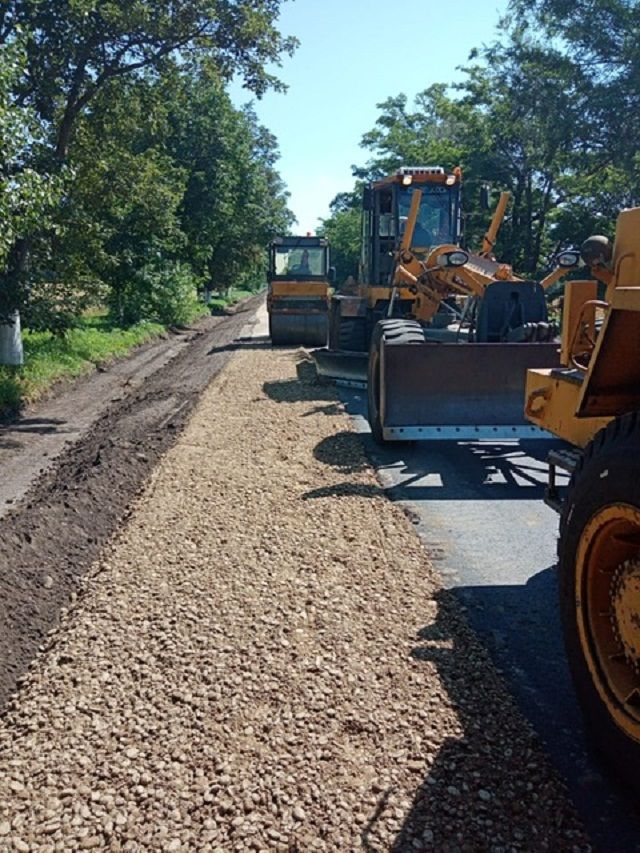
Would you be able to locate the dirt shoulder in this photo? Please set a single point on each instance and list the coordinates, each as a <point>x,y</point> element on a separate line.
<point>264,659</point>
<point>52,536</point>
<point>29,444</point>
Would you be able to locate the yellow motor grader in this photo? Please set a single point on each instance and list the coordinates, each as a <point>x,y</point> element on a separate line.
<point>300,280</point>
<point>593,402</point>
<point>445,336</point>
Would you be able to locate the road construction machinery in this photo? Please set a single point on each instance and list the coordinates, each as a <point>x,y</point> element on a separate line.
<point>386,205</point>
<point>299,288</point>
<point>449,333</point>
<point>593,402</point>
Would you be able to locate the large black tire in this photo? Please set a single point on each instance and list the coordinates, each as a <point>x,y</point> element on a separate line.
<point>385,332</point>
<point>599,530</point>
<point>352,334</point>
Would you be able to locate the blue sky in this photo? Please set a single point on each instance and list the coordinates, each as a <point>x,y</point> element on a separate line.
<point>352,55</point>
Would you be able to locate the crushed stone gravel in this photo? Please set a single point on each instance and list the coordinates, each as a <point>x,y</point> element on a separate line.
<point>264,659</point>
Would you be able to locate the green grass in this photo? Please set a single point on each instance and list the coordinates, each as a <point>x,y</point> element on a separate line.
<point>49,359</point>
<point>95,341</point>
<point>219,303</point>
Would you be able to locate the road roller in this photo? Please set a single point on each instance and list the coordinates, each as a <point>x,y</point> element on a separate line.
<point>300,280</point>
<point>592,401</point>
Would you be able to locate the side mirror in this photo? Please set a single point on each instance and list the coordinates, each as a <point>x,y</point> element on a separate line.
<point>455,258</point>
<point>568,259</point>
<point>332,275</point>
<point>485,196</point>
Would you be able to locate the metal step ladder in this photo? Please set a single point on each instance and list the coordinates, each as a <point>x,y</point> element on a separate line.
<point>564,459</point>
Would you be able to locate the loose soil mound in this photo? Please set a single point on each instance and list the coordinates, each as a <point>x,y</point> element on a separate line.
<point>52,537</point>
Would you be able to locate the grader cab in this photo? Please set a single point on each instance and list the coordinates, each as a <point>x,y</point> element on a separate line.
<point>593,402</point>
<point>385,211</point>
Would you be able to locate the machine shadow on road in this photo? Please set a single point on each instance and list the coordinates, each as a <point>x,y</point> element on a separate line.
<point>451,471</point>
<point>35,426</point>
<point>463,470</point>
<point>242,344</point>
<point>10,430</point>
<point>304,388</point>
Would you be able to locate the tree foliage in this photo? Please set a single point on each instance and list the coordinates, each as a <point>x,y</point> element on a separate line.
<point>27,196</point>
<point>343,230</point>
<point>121,108</point>
<point>549,112</point>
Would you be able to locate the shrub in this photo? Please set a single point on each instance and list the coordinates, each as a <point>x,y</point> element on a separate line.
<point>166,294</point>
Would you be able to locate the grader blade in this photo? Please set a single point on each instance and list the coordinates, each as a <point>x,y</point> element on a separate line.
<point>341,366</point>
<point>457,390</point>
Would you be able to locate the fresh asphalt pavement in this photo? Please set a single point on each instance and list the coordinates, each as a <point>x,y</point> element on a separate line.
<point>478,507</point>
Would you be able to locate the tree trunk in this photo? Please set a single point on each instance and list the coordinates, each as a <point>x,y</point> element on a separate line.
<point>11,351</point>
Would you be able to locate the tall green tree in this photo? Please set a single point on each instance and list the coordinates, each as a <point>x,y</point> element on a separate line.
<point>76,48</point>
<point>343,229</point>
<point>599,38</point>
<point>27,195</point>
<point>120,223</point>
<point>235,201</point>
<point>530,100</point>
<point>516,122</point>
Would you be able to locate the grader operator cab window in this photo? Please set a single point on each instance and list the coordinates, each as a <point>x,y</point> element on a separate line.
<point>437,219</point>
<point>386,219</point>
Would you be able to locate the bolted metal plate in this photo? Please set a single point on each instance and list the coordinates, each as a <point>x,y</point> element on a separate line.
<point>464,433</point>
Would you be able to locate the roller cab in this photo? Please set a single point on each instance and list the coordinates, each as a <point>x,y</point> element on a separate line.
<point>299,288</point>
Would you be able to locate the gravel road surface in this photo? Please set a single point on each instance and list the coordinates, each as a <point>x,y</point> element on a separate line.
<point>264,659</point>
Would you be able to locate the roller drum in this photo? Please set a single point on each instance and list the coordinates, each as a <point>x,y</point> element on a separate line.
<point>307,330</point>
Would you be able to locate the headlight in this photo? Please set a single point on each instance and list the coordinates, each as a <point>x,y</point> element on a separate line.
<point>567,259</point>
<point>456,258</point>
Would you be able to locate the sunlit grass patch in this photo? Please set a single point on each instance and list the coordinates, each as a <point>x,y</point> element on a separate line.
<point>50,358</point>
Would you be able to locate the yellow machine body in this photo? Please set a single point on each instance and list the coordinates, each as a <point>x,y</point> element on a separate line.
<point>460,329</point>
<point>317,290</point>
<point>599,378</point>
<point>299,290</point>
<point>593,402</point>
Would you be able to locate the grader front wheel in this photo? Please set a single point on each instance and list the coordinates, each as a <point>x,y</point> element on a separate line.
<point>599,565</point>
<point>386,331</point>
